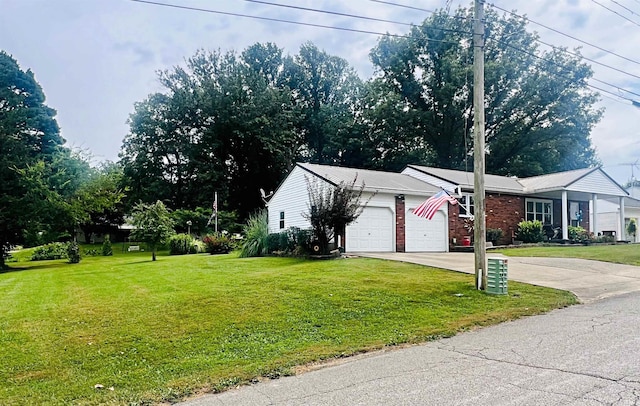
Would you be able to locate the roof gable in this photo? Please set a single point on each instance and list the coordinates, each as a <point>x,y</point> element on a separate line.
<point>588,180</point>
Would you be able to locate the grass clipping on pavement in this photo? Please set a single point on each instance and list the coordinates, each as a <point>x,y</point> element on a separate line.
<point>124,330</point>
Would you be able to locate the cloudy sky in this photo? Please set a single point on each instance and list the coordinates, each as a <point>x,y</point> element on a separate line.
<point>96,58</point>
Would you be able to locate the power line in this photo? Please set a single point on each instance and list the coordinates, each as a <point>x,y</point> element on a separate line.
<point>538,40</point>
<point>414,8</point>
<point>571,79</point>
<point>625,7</point>
<point>616,13</point>
<point>564,34</point>
<point>402,6</point>
<point>314,10</point>
<point>268,3</point>
<point>279,20</point>
<point>376,33</point>
<point>588,59</point>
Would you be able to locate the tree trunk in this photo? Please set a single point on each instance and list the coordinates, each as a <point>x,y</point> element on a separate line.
<point>153,254</point>
<point>1,258</point>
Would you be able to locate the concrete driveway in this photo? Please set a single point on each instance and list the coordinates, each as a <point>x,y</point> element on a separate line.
<point>588,280</point>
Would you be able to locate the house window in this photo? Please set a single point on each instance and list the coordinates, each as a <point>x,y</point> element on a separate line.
<point>281,220</point>
<point>466,205</point>
<point>538,209</point>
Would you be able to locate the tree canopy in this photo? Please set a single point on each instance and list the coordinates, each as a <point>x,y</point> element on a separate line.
<point>30,142</point>
<point>539,110</point>
<point>235,123</point>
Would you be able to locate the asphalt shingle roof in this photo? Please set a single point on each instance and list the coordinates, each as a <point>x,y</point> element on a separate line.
<point>373,180</point>
<point>465,179</point>
<point>554,180</point>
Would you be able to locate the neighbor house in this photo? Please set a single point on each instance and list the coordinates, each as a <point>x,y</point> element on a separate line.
<point>609,219</point>
<point>387,223</point>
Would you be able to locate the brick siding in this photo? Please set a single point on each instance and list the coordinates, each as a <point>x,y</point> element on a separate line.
<point>400,224</point>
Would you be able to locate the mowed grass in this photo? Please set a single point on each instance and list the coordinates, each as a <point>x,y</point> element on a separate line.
<point>621,254</point>
<point>159,331</point>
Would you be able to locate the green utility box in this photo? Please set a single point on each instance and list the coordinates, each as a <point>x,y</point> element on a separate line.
<point>497,276</point>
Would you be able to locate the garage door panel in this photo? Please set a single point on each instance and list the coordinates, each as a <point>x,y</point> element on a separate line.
<point>372,231</point>
<point>424,235</point>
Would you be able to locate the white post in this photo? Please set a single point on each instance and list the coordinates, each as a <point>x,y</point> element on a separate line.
<point>622,235</point>
<point>594,201</point>
<point>565,217</point>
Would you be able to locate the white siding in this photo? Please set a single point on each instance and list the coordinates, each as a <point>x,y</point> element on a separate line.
<point>596,182</point>
<point>609,219</point>
<point>608,222</point>
<point>450,187</point>
<point>291,198</point>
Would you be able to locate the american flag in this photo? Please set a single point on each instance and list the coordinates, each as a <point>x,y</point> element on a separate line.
<point>429,208</point>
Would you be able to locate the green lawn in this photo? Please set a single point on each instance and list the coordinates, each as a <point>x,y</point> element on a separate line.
<point>159,331</point>
<point>621,254</point>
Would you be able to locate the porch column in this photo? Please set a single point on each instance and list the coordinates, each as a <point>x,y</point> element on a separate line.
<point>565,216</point>
<point>594,203</point>
<point>621,236</point>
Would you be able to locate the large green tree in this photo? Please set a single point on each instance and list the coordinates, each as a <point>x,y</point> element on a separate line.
<point>326,90</point>
<point>29,141</point>
<point>226,123</point>
<point>539,110</point>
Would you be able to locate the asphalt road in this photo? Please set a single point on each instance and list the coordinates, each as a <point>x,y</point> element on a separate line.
<point>587,354</point>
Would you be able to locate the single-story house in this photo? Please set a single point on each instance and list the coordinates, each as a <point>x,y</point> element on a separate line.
<point>387,223</point>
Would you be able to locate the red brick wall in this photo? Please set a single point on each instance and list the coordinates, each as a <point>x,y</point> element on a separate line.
<point>400,225</point>
<point>503,211</point>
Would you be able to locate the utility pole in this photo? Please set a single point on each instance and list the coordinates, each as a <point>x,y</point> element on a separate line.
<point>479,223</point>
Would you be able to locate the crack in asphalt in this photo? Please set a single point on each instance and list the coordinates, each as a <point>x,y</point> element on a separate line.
<point>527,365</point>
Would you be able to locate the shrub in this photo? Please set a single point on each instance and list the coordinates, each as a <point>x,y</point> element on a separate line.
<point>294,241</point>
<point>606,239</point>
<point>73,252</point>
<point>530,231</point>
<point>632,228</point>
<point>279,242</point>
<point>107,250</point>
<point>579,235</point>
<point>256,231</point>
<point>54,250</point>
<point>92,252</point>
<point>181,244</point>
<point>217,244</point>
<point>494,235</point>
<point>199,246</point>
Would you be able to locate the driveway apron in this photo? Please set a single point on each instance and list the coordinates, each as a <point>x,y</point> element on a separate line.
<point>588,280</point>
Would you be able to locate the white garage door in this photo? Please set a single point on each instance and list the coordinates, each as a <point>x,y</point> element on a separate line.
<point>373,231</point>
<point>424,235</point>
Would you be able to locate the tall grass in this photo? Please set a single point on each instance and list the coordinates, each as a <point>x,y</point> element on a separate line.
<point>256,231</point>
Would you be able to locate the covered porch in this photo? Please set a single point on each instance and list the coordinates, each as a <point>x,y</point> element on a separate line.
<point>571,199</point>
